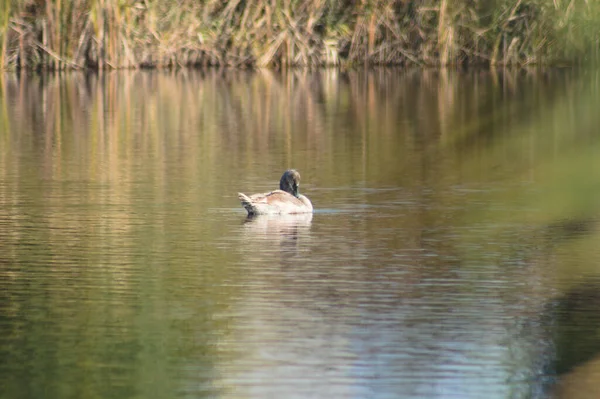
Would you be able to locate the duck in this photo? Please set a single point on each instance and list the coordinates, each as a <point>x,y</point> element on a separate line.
<point>286,200</point>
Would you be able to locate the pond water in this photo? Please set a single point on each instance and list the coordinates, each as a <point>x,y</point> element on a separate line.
<point>452,254</point>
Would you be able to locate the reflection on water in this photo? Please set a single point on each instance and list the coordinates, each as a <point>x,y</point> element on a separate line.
<point>452,252</point>
<point>286,234</point>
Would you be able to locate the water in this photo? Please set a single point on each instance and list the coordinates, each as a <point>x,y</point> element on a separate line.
<point>452,254</point>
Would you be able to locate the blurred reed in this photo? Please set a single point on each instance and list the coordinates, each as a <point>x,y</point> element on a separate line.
<point>100,34</point>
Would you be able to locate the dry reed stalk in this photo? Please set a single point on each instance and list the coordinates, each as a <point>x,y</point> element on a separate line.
<point>444,33</point>
<point>5,13</point>
<point>58,61</point>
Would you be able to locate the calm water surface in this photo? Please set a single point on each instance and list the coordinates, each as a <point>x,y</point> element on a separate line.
<point>453,252</point>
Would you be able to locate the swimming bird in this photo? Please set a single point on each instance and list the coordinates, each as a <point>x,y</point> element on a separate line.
<point>286,200</point>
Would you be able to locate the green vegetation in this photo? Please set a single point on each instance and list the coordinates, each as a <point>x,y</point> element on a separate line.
<point>166,33</point>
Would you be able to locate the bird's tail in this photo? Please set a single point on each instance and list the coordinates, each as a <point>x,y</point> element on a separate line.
<point>246,203</point>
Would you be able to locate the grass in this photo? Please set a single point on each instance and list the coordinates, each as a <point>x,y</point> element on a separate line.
<point>98,34</point>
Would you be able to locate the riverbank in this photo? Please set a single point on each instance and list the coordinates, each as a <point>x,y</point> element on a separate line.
<point>81,34</point>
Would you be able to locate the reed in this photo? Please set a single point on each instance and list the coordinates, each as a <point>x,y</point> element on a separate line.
<point>101,34</point>
<point>5,11</point>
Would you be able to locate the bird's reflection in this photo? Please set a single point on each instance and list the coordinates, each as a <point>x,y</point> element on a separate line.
<point>283,232</point>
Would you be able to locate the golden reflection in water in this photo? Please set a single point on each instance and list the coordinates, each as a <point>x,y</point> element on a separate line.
<point>116,121</point>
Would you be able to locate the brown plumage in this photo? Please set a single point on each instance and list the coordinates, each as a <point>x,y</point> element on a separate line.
<point>286,200</point>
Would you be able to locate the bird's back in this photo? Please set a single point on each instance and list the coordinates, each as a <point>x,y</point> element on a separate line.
<point>274,202</point>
